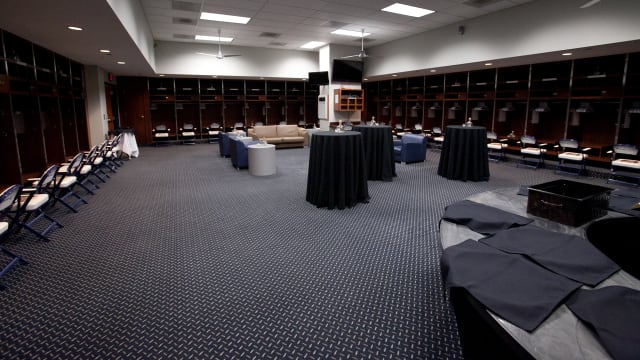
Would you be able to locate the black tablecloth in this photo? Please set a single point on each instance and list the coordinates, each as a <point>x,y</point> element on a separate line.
<point>464,154</point>
<point>337,170</point>
<point>378,151</point>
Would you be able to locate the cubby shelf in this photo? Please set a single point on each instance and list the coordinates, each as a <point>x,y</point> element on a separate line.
<point>42,109</point>
<point>547,100</point>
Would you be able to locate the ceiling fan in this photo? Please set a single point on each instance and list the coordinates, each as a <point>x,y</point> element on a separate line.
<point>219,55</point>
<point>362,54</point>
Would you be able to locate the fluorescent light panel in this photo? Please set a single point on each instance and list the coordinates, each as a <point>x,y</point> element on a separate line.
<point>350,33</point>
<point>224,18</point>
<point>214,38</point>
<point>312,44</point>
<point>407,10</point>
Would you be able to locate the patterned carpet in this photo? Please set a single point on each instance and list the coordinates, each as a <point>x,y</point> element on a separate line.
<point>179,255</point>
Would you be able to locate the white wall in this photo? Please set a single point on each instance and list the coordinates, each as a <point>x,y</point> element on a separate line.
<point>96,104</point>
<point>131,15</point>
<point>176,58</point>
<point>542,26</point>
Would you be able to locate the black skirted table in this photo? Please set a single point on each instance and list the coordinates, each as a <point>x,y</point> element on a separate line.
<point>337,176</point>
<point>378,151</point>
<point>464,154</point>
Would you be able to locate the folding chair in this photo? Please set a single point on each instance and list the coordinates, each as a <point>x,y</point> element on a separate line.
<point>7,198</point>
<point>532,153</point>
<point>188,134</point>
<point>28,210</point>
<point>497,148</point>
<point>65,180</point>
<point>625,165</point>
<point>572,159</point>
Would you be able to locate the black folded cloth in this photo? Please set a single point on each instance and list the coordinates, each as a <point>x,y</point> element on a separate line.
<point>625,201</point>
<point>482,218</point>
<point>568,255</point>
<point>613,312</point>
<point>513,287</point>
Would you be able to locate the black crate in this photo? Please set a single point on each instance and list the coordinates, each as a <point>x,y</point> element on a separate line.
<point>568,202</point>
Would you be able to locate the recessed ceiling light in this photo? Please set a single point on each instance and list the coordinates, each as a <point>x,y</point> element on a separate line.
<point>394,75</point>
<point>488,64</point>
<point>312,44</point>
<point>224,18</point>
<point>433,70</point>
<point>567,54</point>
<point>350,33</point>
<point>75,28</point>
<point>105,51</point>
<point>161,75</point>
<point>214,38</point>
<point>365,79</point>
<point>407,10</point>
<point>121,62</point>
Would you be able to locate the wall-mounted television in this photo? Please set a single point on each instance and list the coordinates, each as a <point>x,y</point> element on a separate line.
<point>319,78</point>
<point>346,71</point>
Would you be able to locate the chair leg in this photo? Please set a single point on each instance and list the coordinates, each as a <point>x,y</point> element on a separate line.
<point>15,260</point>
<point>29,224</point>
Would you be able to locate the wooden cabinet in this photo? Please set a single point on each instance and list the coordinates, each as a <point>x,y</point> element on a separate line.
<point>42,109</point>
<point>348,99</point>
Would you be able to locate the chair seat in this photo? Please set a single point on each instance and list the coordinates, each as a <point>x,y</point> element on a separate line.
<point>37,201</point>
<point>574,156</point>
<point>496,146</point>
<point>438,138</point>
<point>161,135</point>
<point>188,133</point>
<point>531,151</point>
<point>67,181</point>
<point>627,163</point>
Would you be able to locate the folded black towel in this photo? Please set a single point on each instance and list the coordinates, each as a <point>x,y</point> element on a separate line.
<point>513,287</point>
<point>567,255</point>
<point>482,218</point>
<point>613,312</point>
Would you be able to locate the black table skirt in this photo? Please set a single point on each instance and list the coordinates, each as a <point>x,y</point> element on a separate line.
<point>464,154</point>
<point>378,151</point>
<point>337,170</point>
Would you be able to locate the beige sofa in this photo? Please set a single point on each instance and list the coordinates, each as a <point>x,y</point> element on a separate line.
<point>282,136</point>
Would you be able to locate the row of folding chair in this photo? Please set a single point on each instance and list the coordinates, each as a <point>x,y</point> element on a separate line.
<point>25,206</point>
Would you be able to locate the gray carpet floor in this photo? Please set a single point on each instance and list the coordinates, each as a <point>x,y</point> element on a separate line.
<point>181,256</point>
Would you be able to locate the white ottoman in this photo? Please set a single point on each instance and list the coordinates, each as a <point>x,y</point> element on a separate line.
<point>262,159</point>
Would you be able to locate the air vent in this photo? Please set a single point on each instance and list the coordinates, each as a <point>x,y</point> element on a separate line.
<point>479,3</point>
<point>275,43</point>
<point>183,37</point>
<point>270,35</point>
<point>185,6</point>
<point>334,24</point>
<point>184,21</point>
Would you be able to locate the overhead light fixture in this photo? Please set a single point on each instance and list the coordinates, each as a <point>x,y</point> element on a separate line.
<point>214,38</point>
<point>542,107</point>
<point>224,18</point>
<point>488,64</point>
<point>121,62</point>
<point>567,54</point>
<point>589,4</point>
<point>75,28</point>
<point>455,107</point>
<point>312,44</point>
<point>584,107</point>
<point>407,10</point>
<point>350,33</point>
<point>105,51</point>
